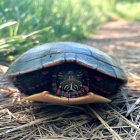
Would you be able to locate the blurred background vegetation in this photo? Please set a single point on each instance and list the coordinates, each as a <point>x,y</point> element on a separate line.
<point>27,23</point>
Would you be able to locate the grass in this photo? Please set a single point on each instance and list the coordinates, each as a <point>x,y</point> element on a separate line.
<point>25,24</point>
<point>42,21</point>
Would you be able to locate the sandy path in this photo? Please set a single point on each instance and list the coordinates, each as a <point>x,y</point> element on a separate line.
<point>121,40</point>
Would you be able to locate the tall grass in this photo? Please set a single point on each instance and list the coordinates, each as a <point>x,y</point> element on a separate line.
<point>40,21</point>
<point>27,23</point>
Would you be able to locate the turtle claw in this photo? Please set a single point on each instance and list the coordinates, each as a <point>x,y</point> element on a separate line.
<point>45,96</point>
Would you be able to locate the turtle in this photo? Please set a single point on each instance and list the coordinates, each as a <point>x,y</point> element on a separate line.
<point>66,73</point>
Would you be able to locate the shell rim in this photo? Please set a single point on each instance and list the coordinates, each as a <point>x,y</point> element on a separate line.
<point>62,62</point>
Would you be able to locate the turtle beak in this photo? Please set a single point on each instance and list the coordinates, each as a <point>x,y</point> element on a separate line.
<point>45,96</point>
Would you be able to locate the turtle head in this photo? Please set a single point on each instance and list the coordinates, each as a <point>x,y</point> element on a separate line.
<point>71,82</point>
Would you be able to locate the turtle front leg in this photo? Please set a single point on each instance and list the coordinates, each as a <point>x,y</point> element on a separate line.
<point>45,96</point>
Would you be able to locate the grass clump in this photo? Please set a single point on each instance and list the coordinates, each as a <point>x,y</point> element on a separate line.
<point>41,21</point>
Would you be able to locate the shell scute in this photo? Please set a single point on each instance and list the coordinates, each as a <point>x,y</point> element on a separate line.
<point>50,59</point>
<point>106,68</point>
<point>70,57</point>
<point>87,61</point>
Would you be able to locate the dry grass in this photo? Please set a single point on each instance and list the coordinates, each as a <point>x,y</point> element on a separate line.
<point>118,120</point>
<point>24,120</point>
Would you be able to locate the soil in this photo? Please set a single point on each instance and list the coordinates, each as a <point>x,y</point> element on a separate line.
<point>118,120</point>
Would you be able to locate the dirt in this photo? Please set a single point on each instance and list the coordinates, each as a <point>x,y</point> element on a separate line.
<point>118,120</point>
<point>121,40</point>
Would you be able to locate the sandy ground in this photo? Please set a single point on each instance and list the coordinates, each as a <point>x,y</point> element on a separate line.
<point>121,40</point>
<point>118,120</point>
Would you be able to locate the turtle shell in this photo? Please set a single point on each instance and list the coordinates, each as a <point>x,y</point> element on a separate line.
<point>43,59</point>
